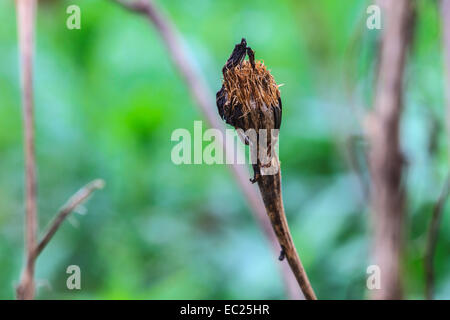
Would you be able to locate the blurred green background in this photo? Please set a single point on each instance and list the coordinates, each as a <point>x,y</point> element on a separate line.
<point>107,100</point>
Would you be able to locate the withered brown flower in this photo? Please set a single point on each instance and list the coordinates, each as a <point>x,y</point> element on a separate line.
<point>250,99</point>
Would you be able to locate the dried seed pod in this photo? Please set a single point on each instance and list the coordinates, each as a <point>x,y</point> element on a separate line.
<point>250,99</point>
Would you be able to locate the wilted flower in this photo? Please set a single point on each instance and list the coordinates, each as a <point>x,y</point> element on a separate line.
<point>249,100</point>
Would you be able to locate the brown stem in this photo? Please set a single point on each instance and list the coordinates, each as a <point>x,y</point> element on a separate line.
<point>26,10</point>
<point>206,102</point>
<point>385,157</point>
<point>270,187</point>
<point>432,238</point>
<point>77,199</point>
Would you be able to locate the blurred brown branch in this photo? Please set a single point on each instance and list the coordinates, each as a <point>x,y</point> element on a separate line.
<point>26,10</point>
<point>385,156</point>
<point>74,201</point>
<point>432,238</point>
<point>206,102</point>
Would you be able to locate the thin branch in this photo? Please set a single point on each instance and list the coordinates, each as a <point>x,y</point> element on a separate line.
<point>26,10</point>
<point>77,199</point>
<point>205,100</point>
<point>385,157</point>
<point>74,201</point>
<point>432,238</point>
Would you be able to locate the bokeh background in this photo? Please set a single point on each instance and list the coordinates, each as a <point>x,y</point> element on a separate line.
<point>108,98</point>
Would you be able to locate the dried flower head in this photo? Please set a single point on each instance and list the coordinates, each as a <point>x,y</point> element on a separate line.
<point>245,84</point>
<point>250,99</point>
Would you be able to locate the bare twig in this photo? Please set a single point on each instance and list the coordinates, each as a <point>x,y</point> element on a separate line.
<point>74,201</point>
<point>77,199</point>
<point>432,238</point>
<point>26,10</point>
<point>206,101</point>
<point>385,157</point>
